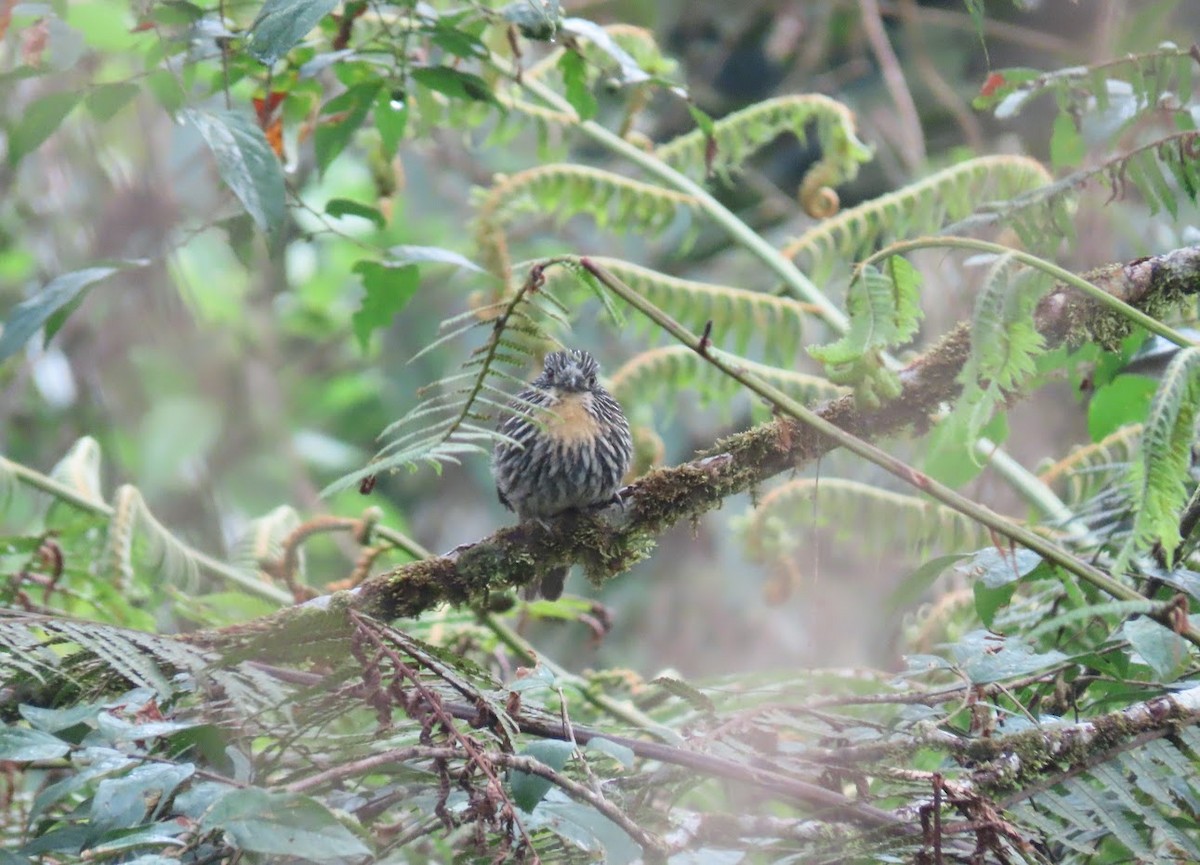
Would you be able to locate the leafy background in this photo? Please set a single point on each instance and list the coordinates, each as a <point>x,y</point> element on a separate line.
<point>202,333</point>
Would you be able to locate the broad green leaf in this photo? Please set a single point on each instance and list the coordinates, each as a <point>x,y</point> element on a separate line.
<point>123,803</point>
<point>990,600</point>
<point>528,790</point>
<point>39,121</point>
<point>282,23</point>
<point>389,288</point>
<point>348,110</point>
<point>455,84</point>
<point>623,754</point>
<point>281,824</point>
<point>346,207</point>
<point>53,720</point>
<point>1125,400</point>
<point>985,657</point>
<point>21,744</point>
<point>1163,650</point>
<point>246,162</point>
<point>29,315</point>
<point>575,81</point>
<point>105,100</point>
<point>391,119</point>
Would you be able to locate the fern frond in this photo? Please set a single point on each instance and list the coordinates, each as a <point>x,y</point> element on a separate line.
<point>565,190</point>
<point>885,311</point>
<point>738,136</point>
<point>1005,342</point>
<point>655,377</point>
<point>263,541</point>
<point>1088,469</point>
<point>738,314</point>
<point>1160,473</point>
<point>774,529</point>
<point>79,470</point>
<point>1142,800</point>
<point>444,426</point>
<point>923,207</point>
<point>179,562</point>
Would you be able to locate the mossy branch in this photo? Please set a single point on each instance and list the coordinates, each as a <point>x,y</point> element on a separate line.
<point>607,542</point>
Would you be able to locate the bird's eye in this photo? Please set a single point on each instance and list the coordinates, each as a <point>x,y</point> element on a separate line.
<point>591,381</point>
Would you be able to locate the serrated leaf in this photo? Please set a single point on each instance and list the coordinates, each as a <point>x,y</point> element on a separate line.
<point>281,824</point>
<point>388,289</point>
<point>21,744</point>
<point>39,121</point>
<point>282,23</point>
<point>528,789</point>
<point>246,163</point>
<point>29,315</point>
<point>346,207</point>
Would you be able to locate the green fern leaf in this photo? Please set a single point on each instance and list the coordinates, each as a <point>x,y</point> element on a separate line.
<point>739,315</point>
<point>738,136</point>
<point>923,207</point>
<point>654,378</point>
<point>1160,474</point>
<point>885,311</point>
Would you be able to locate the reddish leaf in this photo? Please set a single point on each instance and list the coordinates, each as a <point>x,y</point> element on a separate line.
<point>33,42</point>
<point>994,82</point>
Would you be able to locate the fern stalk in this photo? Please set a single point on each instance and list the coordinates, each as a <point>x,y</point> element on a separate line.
<point>999,524</point>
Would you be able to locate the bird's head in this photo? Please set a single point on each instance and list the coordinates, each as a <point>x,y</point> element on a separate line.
<point>573,371</point>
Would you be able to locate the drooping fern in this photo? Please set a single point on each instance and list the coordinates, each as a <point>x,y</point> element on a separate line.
<point>460,418</point>
<point>1004,342</point>
<point>738,136</point>
<point>885,311</point>
<point>564,190</point>
<point>655,377</point>
<point>922,207</point>
<point>1159,474</point>
<point>770,531</point>
<point>738,314</point>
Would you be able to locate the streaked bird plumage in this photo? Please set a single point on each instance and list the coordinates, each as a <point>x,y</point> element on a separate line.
<point>567,446</point>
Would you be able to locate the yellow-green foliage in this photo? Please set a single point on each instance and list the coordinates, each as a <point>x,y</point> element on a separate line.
<point>655,377</point>
<point>736,137</point>
<point>1159,476</point>
<point>738,315</point>
<point>919,208</point>
<point>565,190</point>
<point>1005,342</point>
<point>784,517</point>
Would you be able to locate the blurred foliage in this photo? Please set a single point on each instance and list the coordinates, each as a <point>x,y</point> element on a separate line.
<point>238,241</point>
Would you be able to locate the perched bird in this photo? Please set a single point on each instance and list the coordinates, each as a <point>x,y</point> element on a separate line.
<point>570,447</point>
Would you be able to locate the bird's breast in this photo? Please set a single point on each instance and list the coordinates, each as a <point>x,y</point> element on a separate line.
<point>572,419</point>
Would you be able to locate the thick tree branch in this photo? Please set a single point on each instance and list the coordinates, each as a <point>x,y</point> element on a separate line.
<point>609,541</point>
